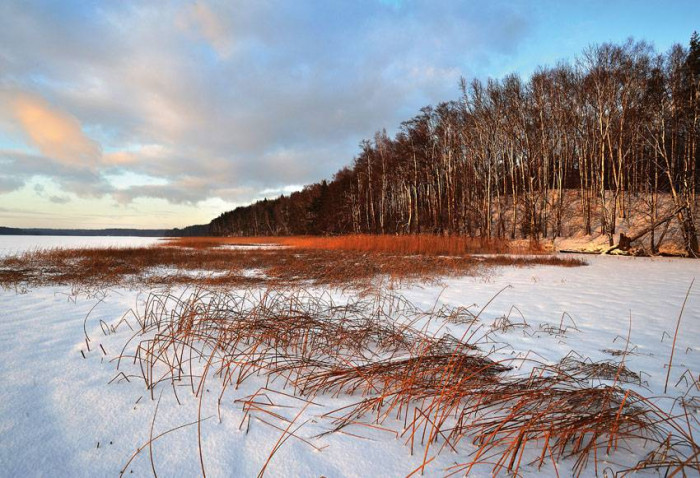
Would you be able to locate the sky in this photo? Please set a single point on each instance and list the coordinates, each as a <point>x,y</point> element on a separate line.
<point>161,114</point>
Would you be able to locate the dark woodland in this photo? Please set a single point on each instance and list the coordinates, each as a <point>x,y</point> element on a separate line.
<point>512,158</point>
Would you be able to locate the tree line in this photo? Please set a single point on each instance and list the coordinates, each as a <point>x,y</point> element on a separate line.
<point>512,158</point>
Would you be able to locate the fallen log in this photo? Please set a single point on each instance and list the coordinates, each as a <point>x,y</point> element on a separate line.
<point>625,242</point>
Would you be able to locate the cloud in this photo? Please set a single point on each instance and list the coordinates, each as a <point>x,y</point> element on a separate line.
<point>56,134</point>
<point>20,167</point>
<point>222,100</point>
<point>126,157</point>
<point>8,184</point>
<point>201,18</point>
<point>59,199</point>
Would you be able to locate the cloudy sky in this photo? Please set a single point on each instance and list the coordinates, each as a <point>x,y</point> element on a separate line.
<point>167,113</point>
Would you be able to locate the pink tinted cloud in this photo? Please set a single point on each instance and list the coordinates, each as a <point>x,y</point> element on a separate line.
<point>58,135</point>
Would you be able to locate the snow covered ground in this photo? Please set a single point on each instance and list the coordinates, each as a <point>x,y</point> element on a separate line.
<point>61,416</point>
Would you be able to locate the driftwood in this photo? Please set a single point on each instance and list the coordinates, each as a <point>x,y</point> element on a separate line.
<point>625,242</point>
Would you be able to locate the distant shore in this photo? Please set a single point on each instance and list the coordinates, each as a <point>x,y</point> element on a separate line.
<point>188,231</point>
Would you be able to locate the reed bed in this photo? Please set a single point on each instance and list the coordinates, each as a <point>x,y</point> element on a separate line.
<point>423,244</point>
<point>220,266</point>
<point>433,390</point>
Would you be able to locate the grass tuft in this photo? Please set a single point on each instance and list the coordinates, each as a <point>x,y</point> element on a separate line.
<point>435,392</point>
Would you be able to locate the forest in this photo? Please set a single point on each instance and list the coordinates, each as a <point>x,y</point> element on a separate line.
<point>572,148</point>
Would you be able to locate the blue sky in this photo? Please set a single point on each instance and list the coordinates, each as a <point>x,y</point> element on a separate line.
<point>164,114</point>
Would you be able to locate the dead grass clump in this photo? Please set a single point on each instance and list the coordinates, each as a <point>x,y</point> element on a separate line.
<point>423,244</point>
<point>276,331</point>
<point>218,241</point>
<point>415,244</point>
<point>215,266</point>
<point>562,419</point>
<point>602,370</point>
<point>427,373</point>
<point>434,390</point>
<point>545,260</point>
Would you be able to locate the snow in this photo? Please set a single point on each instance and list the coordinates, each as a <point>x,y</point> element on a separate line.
<point>56,406</point>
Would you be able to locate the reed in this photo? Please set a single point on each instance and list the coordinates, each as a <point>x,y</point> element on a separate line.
<point>434,391</point>
<point>212,264</point>
<point>414,244</point>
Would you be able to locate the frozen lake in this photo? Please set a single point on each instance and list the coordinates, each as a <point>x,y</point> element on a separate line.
<point>14,244</point>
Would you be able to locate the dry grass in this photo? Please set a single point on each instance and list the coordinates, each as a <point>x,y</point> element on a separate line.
<point>421,244</point>
<point>205,262</point>
<point>435,393</point>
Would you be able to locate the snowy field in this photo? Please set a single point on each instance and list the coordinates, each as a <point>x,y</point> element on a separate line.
<point>61,416</point>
